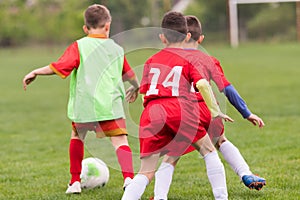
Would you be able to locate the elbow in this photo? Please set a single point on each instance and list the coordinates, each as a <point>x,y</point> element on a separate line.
<point>201,84</point>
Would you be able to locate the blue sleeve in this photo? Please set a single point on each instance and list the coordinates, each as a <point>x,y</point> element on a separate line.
<point>236,100</point>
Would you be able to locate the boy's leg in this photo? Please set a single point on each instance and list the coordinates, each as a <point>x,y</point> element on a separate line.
<point>214,167</point>
<point>163,177</point>
<point>124,156</point>
<point>233,156</point>
<point>76,153</point>
<point>136,188</point>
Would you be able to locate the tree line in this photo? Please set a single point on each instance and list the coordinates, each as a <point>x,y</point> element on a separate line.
<point>60,21</point>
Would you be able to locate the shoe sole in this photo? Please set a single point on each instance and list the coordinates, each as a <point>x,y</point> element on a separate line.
<point>74,193</point>
<point>257,185</point>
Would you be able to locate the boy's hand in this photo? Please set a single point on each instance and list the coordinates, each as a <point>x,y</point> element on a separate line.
<point>32,75</point>
<point>28,79</point>
<point>225,117</point>
<point>132,94</point>
<point>255,120</point>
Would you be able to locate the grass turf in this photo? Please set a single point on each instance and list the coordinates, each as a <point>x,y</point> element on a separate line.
<point>35,130</point>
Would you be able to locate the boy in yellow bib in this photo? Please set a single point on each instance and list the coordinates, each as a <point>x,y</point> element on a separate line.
<point>97,67</point>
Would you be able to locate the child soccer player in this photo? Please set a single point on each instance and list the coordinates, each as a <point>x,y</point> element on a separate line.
<point>169,115</point>
<point>163,176</point>
<point>97,66</point>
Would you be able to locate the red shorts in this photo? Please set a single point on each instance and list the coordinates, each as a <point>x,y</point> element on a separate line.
<point>108,128</point>
<point>166,122</point>
<point>214,127</point>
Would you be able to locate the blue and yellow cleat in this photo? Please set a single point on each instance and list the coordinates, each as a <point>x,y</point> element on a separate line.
<point>254,182</point>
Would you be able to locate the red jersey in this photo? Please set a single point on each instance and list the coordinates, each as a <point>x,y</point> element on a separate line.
<point>219,68</point>
<point>210,68</point>
<point>168,74</point>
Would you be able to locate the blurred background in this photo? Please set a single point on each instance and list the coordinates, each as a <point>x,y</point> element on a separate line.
<point>25,22</point>
<point>35,131</point>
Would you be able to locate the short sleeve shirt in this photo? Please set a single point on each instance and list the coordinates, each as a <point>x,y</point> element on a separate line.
<point>70,60</point>
<point>168,74</point>
<point>209,67</point>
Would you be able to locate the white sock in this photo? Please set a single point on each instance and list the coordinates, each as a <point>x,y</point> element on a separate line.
<point>163,179</point>
<point>234,158</point>
<point>136,188</point>
<point>216,175</point>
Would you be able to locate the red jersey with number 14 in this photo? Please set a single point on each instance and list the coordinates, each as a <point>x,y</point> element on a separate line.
<point>169,116</point>
<point>168,74</point>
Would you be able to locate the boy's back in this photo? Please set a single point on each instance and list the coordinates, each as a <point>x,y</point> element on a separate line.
<point>97,66</point>
<point>166,83</point>
<point>167,75</point>
<point>169,115</point>
<point>97,84</point>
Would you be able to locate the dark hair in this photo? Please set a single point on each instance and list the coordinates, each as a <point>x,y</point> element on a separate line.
<point>174,27</point>
<point>96,16</point>
<point>194,27</point>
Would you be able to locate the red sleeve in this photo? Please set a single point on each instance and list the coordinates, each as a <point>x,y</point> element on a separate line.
<point>67,62</point>
<point>127,72</point>
<point>144,82</point>
<point>194,70</point>
<point>218,67</point>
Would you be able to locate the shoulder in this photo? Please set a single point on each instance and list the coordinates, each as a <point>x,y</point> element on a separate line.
<point>82,39</point>
<point>157,56</point>
<point>195,54</point>
<point>112,42</point>
<point>197,57</point>
<point>215,60</point>
<point>112,45</point>
<point>72,47</point>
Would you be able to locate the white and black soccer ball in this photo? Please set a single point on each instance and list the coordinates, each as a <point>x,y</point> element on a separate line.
<point>94,173</point>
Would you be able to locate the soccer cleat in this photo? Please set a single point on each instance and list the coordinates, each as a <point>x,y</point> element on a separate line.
<point>254,182</point>
<point>152,198</point>
<point>75,188</point>
<point>127,181</point>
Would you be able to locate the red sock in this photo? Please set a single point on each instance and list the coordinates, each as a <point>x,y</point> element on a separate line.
<point>124,155</point>
<point>76,153</point>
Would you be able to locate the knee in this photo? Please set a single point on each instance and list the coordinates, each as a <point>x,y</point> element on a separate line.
<point>118,141</point>
<point>75,135</point>
<point>171,160</point>
<point>149,175</point>
<point>221,140</point>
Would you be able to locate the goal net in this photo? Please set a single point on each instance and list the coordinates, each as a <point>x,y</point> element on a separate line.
<point>233,16</point>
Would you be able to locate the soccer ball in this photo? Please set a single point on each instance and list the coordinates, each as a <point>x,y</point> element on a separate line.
<point>94,173</point>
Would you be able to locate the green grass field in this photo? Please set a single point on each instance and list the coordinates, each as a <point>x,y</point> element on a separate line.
<point>35,130</point>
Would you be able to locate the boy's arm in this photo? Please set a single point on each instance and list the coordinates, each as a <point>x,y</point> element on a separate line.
<point>129,75</point>
<point>209,98</point>
<point>33,74</point>
<point>236,100</point>
<point>134,82</point>
<point>63,67</point>
<point>229,91</point>
<point>133,91</point>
